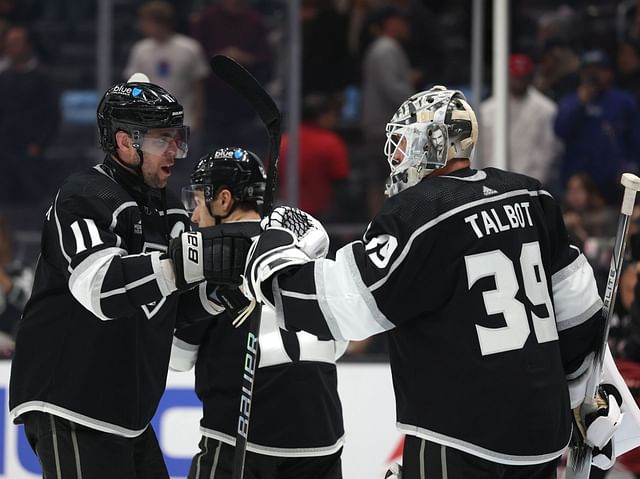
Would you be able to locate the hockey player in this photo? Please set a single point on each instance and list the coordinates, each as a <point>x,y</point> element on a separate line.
<point>296,426</point>
<point>94,343</point>
<point>491,313</point>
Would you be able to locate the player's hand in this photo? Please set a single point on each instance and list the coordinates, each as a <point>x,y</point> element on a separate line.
<point>210,255</point>
<point>291,237</point>
<point>598,421</point>
<point>235,303</point>
<point>226,250</point>
<point>311,237</point>
<point>187,254</point>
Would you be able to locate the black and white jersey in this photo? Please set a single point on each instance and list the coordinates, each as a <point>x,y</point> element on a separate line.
<point>487,305</point>
<point>94,342</point>
<point>295,409</point>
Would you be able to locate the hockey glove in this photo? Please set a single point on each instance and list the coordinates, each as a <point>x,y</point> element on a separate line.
<point>209,255</point>
<point>235,303</point>
<point>598,422</point>
<point>291,237</point>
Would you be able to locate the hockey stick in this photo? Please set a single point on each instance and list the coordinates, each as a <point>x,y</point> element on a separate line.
<point>579,463</point>
<point>237,77</point>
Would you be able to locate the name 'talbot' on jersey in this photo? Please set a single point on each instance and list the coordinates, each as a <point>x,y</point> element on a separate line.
<point>473,276</point>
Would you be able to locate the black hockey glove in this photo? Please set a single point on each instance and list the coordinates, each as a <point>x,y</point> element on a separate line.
<point>208,255</point>
<point>597,423</point>
<point>235,303</point>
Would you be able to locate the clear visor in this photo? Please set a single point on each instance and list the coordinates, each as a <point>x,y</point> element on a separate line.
<point>166,141</point>
<point>194,196</point>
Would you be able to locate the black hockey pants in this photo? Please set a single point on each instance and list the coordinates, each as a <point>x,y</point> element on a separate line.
<point>215,461</point>
<point>67,450</point>
<point>428,460</point>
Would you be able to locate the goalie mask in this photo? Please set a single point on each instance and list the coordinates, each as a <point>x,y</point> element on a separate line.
<point>236,169</point>
<point>428,130</point>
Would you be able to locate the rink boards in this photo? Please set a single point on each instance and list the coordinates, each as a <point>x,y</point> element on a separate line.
<point>369,413</point>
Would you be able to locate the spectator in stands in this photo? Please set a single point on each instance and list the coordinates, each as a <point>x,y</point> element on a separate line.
<point>326,66</point>
<point>585,212</point>
<point>423,47</point>
<point>323,162</point>
<point>600,126</point>
<point>558,69</point>
<point>533,146</point>
<point>171,60</point>
<point>16,280</point>
<point>628,63</point>
<point>233,28</point>
<point>387,81</point>
<point>29,115</point>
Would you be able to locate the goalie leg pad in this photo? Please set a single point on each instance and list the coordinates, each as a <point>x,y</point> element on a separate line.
<point>275,250</point>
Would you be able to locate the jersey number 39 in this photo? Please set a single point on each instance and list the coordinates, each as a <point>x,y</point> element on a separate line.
<point>502,299</point>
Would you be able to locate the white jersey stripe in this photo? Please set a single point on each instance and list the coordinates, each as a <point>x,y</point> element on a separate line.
<point>575,294</point>
<point>275,451</point>
<point>86,280</point>
<point>118,210</point>
<point>59,230</point>
<point>128,286</point>
<point>347,305</point>
<point>475,450</point>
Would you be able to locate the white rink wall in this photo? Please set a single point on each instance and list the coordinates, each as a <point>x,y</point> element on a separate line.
<point>369,413</point>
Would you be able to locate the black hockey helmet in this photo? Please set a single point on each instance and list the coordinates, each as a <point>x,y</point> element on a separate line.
<point>135,108</point>
<point>239,170</point>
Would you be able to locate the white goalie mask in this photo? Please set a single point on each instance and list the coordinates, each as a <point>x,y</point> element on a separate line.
<point>428,129</point>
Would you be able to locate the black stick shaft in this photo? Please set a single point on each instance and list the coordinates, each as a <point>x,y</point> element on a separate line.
<point>247,86</point>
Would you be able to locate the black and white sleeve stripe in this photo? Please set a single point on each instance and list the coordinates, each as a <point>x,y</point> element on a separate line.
<point>346,308</point>
<point>111,284</point>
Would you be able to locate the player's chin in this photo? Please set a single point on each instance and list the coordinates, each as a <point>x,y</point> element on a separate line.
<point>159,181</point>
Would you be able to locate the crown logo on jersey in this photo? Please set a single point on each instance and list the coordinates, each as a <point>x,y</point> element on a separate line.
<point>486,191</point>
<point>137,228</point>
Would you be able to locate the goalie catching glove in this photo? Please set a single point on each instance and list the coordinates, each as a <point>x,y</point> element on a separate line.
<point>597,423</point>
<point>291,237</point>
<point>211,255</point>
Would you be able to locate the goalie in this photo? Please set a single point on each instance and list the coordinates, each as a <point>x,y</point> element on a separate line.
<point>492,315</point>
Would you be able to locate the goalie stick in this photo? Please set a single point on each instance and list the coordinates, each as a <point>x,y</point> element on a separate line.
<point>237,77</point>
<point>579,463</point>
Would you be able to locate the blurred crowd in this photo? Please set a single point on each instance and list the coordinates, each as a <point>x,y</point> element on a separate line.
<point>574,87</point>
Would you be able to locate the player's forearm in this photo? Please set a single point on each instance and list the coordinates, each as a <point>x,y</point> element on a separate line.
<point>341,306</point>
<point>111,284</point>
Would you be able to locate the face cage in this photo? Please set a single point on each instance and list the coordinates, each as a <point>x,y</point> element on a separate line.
<point>413,151</point>
<point>160,141</point>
